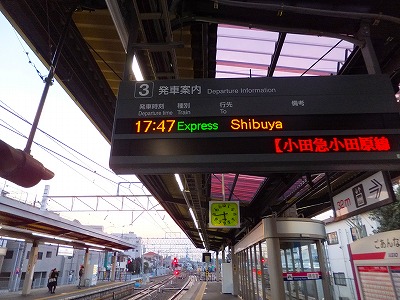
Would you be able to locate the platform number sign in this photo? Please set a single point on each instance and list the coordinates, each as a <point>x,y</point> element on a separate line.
<point>144,89</point>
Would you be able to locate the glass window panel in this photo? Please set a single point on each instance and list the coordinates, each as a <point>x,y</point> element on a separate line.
<point>300,260</point>
<point>333,238</point>
<point>264,265</point>
<point>339,279</point>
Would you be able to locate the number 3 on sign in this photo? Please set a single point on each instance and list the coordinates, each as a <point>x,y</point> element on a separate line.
<point>144,89</point>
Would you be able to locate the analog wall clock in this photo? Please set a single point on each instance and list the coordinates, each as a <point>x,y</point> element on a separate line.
<point>224,214</point>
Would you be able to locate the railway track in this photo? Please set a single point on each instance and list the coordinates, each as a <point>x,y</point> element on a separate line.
<point>167,288</point>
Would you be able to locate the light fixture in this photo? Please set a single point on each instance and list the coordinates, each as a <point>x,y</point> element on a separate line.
<point>94,245</point>
<point>94,249</point>
<point>180,184</point>
<point>179,181</point>
<point>115,249</point>
<point>51,237</point>
<point>136,69</point>
<point>193,217</point>
<point>11,239</point>
<point>51,244</point>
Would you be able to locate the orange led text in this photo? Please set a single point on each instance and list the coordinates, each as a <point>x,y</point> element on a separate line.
<point>253,124</point>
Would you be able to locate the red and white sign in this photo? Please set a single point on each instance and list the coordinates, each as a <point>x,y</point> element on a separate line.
<point>376,265</point>
<point>299,276</point>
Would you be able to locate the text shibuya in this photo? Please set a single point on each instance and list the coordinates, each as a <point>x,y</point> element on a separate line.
<point>253,124</point>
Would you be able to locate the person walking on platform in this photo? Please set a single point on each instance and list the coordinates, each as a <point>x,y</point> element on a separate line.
<point>81,271</point>
<point>52,282</point>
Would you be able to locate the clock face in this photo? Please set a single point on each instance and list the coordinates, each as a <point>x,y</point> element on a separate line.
<point>224,214</point>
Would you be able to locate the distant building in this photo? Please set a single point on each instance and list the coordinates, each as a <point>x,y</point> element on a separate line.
<point>339,235</point>
<point>14,262</point>
<point>133,239</point>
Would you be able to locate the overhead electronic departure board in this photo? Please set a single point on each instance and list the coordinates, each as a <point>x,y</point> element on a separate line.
<point>255,125</point>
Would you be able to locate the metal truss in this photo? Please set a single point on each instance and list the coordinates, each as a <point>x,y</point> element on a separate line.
<point>102,203</point>
<point>172,246</point>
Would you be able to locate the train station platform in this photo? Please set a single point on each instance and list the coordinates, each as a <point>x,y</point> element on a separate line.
<point>62,291</point>
<point>211,290</point>
<point>201,290</point>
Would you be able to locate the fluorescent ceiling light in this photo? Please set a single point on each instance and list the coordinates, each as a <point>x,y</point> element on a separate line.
<point>93,249</point>
<point>194,219</point>
<point>51,244</point>
<point>136,69</point>
<point>11,239</point>
<point>52,237</point>
<point>191,213</point>
<point>201,237</point>
<point>94,245</point>
<point>179,181</point>
<point>195,224</point>
<point>115,249</point>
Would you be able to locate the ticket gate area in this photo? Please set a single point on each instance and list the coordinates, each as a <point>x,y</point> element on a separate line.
<point>283,258</point>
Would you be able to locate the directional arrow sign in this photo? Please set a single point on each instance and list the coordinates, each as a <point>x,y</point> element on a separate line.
<point>365,195</point>
<point>376,188</point>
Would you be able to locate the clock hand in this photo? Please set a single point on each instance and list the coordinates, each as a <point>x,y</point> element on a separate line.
<point>214,214</point>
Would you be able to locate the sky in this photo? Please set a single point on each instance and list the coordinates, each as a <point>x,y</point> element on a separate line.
<point>67,144</point>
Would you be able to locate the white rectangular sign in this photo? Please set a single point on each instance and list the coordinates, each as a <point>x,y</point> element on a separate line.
<point>370,191</point>
<point>65,250</point>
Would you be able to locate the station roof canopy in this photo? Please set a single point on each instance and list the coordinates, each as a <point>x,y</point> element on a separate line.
<point>214,39</point>
<point>29,223</point>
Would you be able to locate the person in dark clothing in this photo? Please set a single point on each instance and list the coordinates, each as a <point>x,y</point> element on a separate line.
<point>52,282</point>
<point>81,272</point>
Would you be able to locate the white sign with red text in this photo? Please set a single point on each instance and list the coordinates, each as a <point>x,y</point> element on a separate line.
<point>370,191</point>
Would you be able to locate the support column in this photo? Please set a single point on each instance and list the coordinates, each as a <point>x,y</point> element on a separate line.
<point>368,51</point>
<point>113,266</point>
<point>324,271</point>
<point>217,268</point>
<point>86,267</point>
<point>33,255</point>
<point>235,272</point>
<point>275,264</point>
<point>275,269</point>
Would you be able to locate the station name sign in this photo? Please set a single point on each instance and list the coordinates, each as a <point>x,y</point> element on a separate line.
<point>256,124</point>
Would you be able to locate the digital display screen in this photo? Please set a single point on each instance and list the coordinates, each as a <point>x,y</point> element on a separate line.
<point>254,145</point>
<point>257,124</point>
